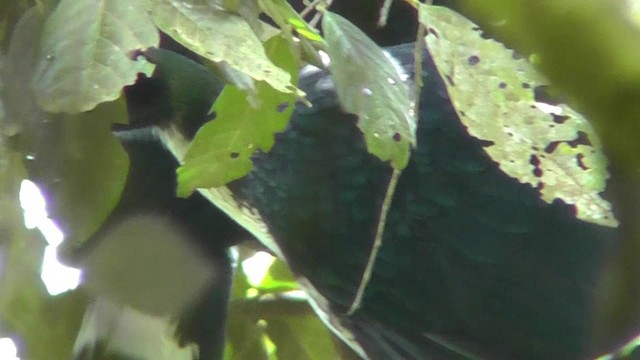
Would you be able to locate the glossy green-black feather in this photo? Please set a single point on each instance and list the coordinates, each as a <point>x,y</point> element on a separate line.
<point>469,254</point>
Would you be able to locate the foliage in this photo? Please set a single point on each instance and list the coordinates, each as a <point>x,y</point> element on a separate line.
<point>389,130</point>
<point>591,56</point>
<point>84,53</point>
<point>531,145</point>
<point>240,128</point>
<point>63,67</point>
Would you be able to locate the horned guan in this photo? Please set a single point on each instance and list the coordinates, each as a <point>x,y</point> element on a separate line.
<point>473,264</point>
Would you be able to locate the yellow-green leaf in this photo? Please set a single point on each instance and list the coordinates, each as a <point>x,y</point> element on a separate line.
<point>85,54</point>
<point>551,147</point>
<point>222,149</point>
<point>220,35</point>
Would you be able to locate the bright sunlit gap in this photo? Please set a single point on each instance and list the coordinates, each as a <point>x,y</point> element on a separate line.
<point>8,349</point>
<point>548,108</point>
<point>625,351</point>
<point>257,266</point>
<point>57,277</point>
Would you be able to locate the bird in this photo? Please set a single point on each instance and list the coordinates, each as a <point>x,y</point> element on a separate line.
<point>150,192</point>
<point>473,263</point>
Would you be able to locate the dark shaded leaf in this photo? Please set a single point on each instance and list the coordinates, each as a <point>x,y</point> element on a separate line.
<point>81,167</point>
<point>371,85</point>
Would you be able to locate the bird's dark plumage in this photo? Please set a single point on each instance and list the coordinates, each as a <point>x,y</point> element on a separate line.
<point>473,263</point>
<point>471,258</point>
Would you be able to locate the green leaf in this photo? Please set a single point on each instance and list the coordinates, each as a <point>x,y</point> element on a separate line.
<point>222,149</point>
<point>283,13</point>
<point>245,335</point>
<point>75,158</point>
<point>81,167</point>
<point>534,142</point>
<point>220,36</point>
<point>11,11</point>
<point>301,338</point>
<point>85,53</point>
<point>46,325</point>
<point>20,106</point>
<point>278,279</point>
<point>370,85</point>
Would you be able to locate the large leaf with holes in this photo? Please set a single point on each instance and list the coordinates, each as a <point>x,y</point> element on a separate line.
<point>590,50</point>
<point>219,35</point>
<point>222,149</point>
<point>549,146</point>
<point>86,50</point>
<point>371,85</point>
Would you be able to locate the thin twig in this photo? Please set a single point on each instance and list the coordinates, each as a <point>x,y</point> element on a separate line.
<point>384,13</point>
<point>309,8</point>
<point>377,242</point>
<point>316,18</point>
<point>417,66</point>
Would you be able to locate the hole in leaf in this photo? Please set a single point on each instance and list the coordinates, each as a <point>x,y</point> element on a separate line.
<point>234,155</point>
<point>582,139</point>
<point>560,119</point>
<point>473,60</point>
<point>502,85</point>
<point>486,143</point>
<point>552,147</point>
<point>542,95</point>
<point>450,80</point>
<point>580,161</point>
<point>537,171</point>
<point>397,137</point>
<point>282,106</point>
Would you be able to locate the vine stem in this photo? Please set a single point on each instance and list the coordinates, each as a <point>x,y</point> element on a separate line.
<point>377,242</point>
<point>384,13</point>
